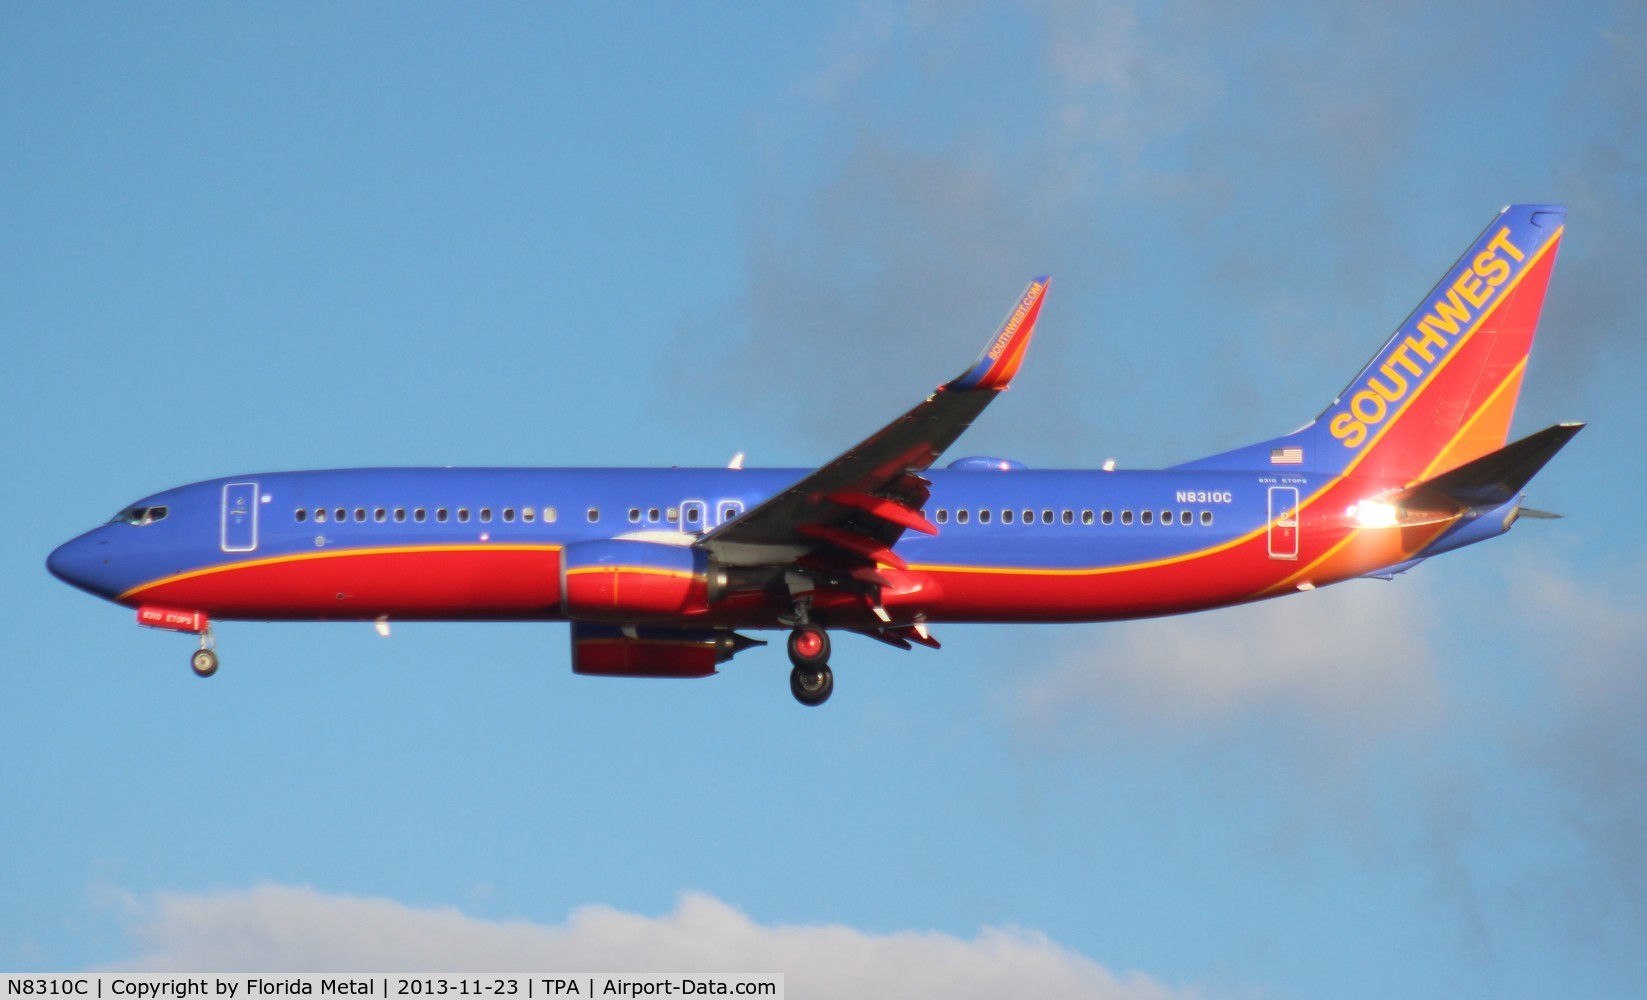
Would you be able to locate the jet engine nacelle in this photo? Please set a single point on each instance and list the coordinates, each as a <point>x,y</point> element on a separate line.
<point>636,651</point>
<point>634,581</point>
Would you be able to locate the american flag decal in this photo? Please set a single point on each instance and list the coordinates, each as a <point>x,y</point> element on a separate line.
<point>1286,456</point>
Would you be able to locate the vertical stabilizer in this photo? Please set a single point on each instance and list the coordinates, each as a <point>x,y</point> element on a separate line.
<point>1442,389</point>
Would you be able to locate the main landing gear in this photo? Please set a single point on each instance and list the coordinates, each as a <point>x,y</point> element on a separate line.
<point>811,681</point>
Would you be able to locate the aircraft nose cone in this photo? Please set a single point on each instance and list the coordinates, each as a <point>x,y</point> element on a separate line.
<point>62,561</point>
<point>76,563</point>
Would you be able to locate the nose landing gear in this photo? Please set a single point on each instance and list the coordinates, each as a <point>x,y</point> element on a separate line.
<point>811,681</point>
<point>204,660</point>
<point>204,663</point>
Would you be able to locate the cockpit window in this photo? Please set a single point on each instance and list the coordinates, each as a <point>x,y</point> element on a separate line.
<point>139,516</point>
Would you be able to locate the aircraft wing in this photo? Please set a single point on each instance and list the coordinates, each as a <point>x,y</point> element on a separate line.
<point>860,503</point>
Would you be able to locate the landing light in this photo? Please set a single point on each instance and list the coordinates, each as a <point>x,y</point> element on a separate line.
<point>1374,514</point>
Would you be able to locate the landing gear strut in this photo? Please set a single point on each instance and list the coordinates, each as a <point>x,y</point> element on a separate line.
<point>204,660</point>
<point>811,681</point>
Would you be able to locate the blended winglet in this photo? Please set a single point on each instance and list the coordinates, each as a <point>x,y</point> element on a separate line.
<point>999,361</point>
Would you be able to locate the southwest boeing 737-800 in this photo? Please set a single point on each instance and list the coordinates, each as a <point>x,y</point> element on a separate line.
<point>658,569</point>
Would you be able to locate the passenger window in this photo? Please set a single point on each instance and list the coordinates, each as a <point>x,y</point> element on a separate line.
<point>1126,517</point>
<point>652,515</point>
<point>983,516</point>
<point>673,516</point>
<point>509,515</point>
<point>360,513</point>
<point>1166,517</point>
<point>1029,517</point>
<point>1185,517</point>
<point>320,515</point>
<point>1086,517</point>
<point>549,515</point>
<point>634,515</point>
<point>440,514</point>
<point>1108,517</point>
<point>380,515</point>
<point>420,515</point>
<point>1206,517</point>
<point>400,514</point>
<point>1146,517</point>
<point>302,514</point>
<point>943,515</point>
<point>593,514</point>
<point>527,514</point>
<point>341,515</point>
<point>1046,517</point>
<point>692,515</point>
<point>486,514</point>
<point>1069,517</point>
<point>1006,517</point>
<point>960,516</point>
<point>463,514</point>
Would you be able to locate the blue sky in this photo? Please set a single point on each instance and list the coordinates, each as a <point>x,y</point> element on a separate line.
<point>257,237</point>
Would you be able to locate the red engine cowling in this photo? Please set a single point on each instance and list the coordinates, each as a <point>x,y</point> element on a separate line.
<point>630,651</point>
<point>633,581</point>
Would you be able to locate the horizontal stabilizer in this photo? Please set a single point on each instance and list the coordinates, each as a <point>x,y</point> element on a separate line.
<point>1494,478</point>
<point>1540,515</point>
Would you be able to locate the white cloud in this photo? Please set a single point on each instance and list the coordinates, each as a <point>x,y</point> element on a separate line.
<point>281,928</point>
<point>1349,660</point>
